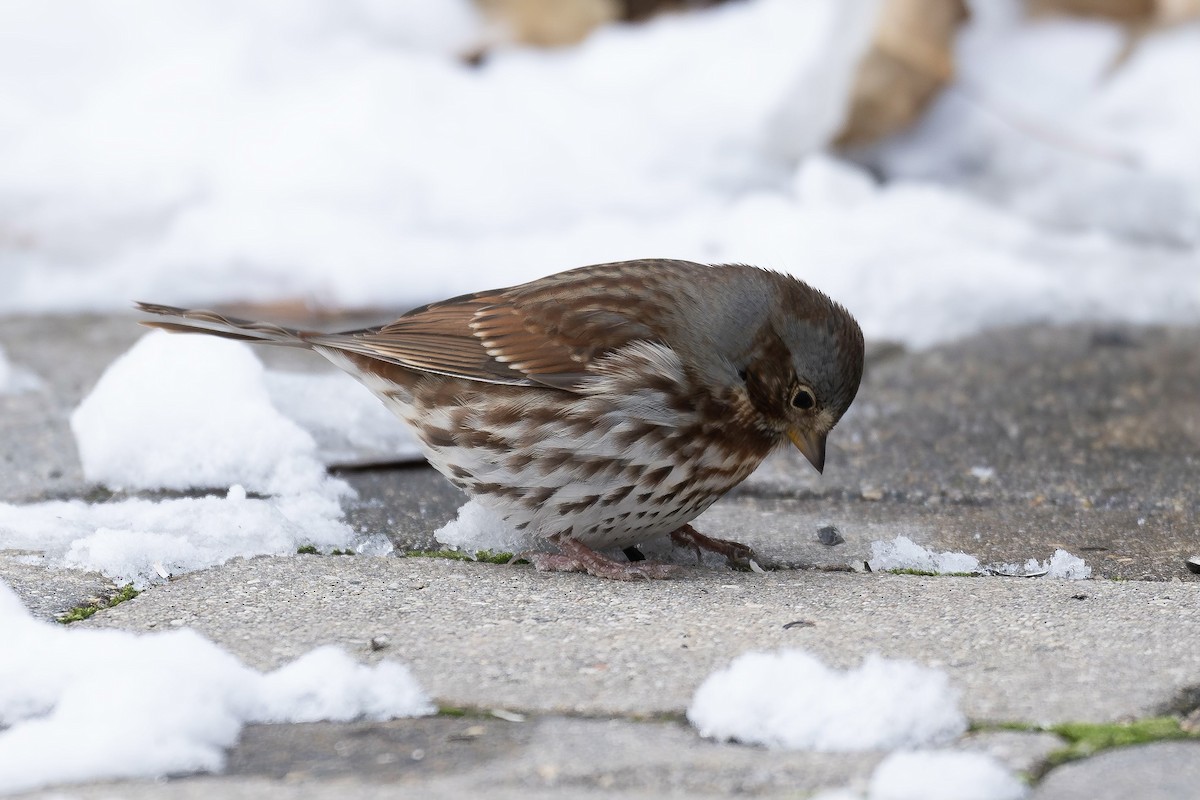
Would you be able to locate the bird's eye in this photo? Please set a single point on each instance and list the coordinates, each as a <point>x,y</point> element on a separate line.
<point>803,399</point>
<point>742,374</point>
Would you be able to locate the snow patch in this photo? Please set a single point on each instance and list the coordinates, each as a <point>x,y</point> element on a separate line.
<point>84,705</point>
<point>477,528</point>
<point>943,775</point>
<point>904,553</point>
<point>790,700</point>
<point>137,540</point>
<point>1060,565</point>
<point>936,775</point>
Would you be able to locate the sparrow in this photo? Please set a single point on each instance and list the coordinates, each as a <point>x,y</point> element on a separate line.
<point>605,406</point>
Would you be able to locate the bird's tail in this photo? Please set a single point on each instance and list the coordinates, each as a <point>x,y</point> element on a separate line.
<point>182,320</point>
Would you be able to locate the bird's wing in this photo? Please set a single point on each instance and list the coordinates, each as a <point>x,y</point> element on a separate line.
<point>548,332</point>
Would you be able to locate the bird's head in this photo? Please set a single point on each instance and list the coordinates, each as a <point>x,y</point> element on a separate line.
<point>799,365</point>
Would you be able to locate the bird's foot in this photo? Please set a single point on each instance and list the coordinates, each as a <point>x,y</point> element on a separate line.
<point>577,557</point>
<point>737,554</point>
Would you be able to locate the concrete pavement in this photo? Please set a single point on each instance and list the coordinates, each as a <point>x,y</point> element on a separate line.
<point>1006,446</point>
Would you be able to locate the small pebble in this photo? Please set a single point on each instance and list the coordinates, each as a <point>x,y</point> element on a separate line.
<point>380,642</point>
<point>830,536</point>
<point>1193,564</point>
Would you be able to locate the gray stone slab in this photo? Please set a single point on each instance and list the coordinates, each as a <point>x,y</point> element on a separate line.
<point>407,503</point>
<point>48,592</point>
<point>1160,771</point>
<point>481,635</point>
<point>653,757</point>
<point>238,788</point>
<point>38,459</point>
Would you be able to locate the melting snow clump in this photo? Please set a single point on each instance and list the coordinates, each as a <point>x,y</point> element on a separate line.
<point>139,540</point>
<point>478,528</point>
<point>1061,565</point>
<point>83,705</point>
<point>936,775</point>
<point>904,553</point>
<point>943,775</point>
<point>790,700</point>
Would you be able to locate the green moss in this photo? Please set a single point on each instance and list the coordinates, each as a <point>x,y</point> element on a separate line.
<point>1085,739</point>
<point>86,610</point>
<point>1020,727</point>
<point>485,556</point>
<point>336,552</point>
<point>1088,738</point>
<point>307,550</point>
<point>912,571</point>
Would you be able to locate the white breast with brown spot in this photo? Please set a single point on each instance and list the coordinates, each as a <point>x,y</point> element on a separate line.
<point>619,462</point>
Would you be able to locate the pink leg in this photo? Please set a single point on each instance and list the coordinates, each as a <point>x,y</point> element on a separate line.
<point>736,553</point>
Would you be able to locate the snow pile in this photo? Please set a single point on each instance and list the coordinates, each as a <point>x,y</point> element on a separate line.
<point>14,379</point>
<point>1070,122</point>
<point>1060,565</point>
<point>193,412</point>
<point>904,553</point>
<point>144,541</point>
<point>936,775</point>
<point>790,700</point>
<point>349,424</point>
<point>195,152</point>
<point>96,704</point>
<point>477,528</point>
<point>266,155</point>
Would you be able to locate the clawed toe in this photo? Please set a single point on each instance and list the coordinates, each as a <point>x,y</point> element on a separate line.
<point>601,567</point>
<point>737,554</point>
<point>550,562</point>
<point>578,557</point>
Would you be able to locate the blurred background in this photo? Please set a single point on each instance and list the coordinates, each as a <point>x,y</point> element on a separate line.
<point>939,166</point>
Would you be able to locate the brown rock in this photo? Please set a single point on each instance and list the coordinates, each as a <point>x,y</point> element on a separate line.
<point>550,23</point>
<point>1124,10</point>
<point>910,59</point>
<point>1154,12</point>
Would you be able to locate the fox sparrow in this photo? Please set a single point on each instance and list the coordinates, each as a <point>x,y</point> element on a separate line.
<point>603,406</point>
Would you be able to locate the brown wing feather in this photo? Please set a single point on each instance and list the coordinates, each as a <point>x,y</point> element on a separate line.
<point>545,332</point>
